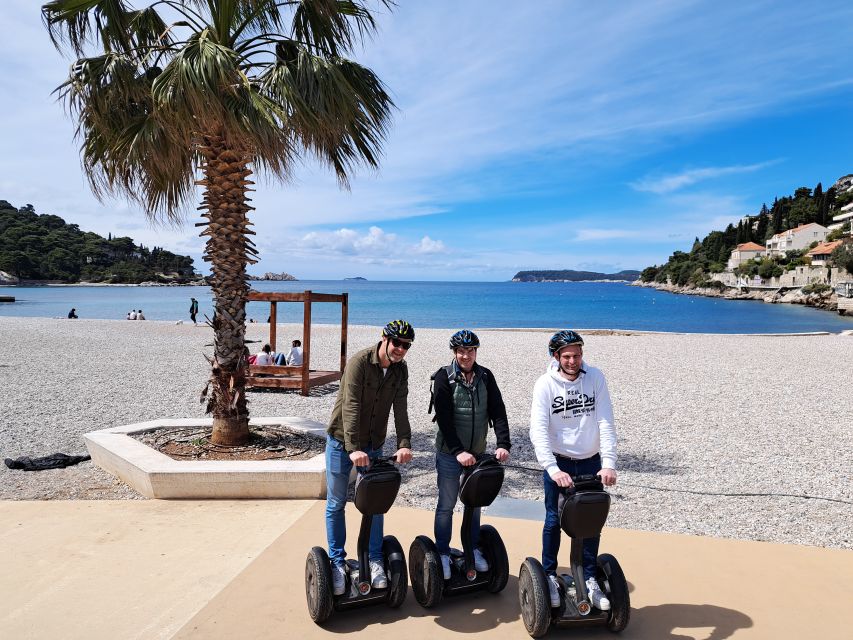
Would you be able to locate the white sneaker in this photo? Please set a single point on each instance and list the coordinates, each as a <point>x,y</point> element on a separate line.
<point>445,566</point>
<point>339,580</point>
<point>377,575</point>
<point>480,563</point>
<point>554,588</point>
<point>596,595</point>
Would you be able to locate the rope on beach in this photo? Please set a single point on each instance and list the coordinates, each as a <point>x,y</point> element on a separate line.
<point>707,493</point>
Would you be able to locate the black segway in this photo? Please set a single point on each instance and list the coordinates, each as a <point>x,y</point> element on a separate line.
<point>582,514</point>
<point>375,492</point>
<point>480,486</point>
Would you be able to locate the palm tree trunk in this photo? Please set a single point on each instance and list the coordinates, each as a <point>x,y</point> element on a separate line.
<point>228,250</point>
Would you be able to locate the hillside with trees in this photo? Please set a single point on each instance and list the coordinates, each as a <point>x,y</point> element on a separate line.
<point>710,254</point>
<point>43,247</point>
<point>569,275</point>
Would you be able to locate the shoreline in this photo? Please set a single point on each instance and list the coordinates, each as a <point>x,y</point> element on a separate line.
<point>475,328</point>
<point>792,295</point>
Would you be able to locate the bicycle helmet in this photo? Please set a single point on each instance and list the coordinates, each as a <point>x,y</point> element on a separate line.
<point>399,329</point>
<point>464,338</point>
<point>563,339</point>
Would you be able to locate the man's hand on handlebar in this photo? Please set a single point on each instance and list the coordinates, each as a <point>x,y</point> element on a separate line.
<point>359,458</point>
<point>501,454</point>
<point>608,477</point>
<point>563,479</point>
<point>403,455</point>
<point>465,459</point>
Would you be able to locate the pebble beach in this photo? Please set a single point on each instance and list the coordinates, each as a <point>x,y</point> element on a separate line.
<point>696,414</point>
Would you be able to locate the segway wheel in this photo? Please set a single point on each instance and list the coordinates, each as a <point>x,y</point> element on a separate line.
<point>534,598</point>
<point>493,546</point>
<point>613,583</point>
<point>318,585</point>
<point>395,568</point>
<point>425,572</point>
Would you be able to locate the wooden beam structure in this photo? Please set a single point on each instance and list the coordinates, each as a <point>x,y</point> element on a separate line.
<point>299,377</point>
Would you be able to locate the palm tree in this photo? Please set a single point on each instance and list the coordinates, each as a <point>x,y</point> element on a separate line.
<point>206,92</point>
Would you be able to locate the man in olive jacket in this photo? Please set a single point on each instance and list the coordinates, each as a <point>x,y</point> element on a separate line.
<point>467,401</point>
<point>374,380</point>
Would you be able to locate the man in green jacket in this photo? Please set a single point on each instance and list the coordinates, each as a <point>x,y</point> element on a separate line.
<point>467,401</point>
<point>375,379</point>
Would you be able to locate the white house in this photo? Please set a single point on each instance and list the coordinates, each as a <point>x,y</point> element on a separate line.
<point>744,253</point>
<point>844,217</point>
<point>796,239</point>
<point>820,254</point>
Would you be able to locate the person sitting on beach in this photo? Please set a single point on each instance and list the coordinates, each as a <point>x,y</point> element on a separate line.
<point>467,400</point>
<point>573,434</point>
<point>294,357</point>
<point>132,315</point>
<point>265,357</point>
<point>128,316</point>
<point>72,315</point>
<point>374,380</point>
<point>139,315</point>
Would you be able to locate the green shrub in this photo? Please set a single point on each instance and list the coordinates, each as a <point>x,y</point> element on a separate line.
<point>816,287</point>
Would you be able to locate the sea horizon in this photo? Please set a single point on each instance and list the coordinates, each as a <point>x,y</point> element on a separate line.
<point>616,306</point>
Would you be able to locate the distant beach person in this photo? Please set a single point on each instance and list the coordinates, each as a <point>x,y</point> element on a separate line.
<point>132,315</point>
<point>573,434</point>
<point>193,309</point>
<point>266,356</point>
<point>72,315</point>
<point>294,356</point>
<point>139,315</point>
<point>128,316</point>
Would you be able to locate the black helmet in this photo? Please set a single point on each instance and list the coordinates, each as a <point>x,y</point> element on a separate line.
<point>464,338</point>
<point>563,339</point>
<point>399,329</point>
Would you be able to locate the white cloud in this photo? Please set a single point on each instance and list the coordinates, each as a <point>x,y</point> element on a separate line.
<point>374,247</point>
<point>674,182</point>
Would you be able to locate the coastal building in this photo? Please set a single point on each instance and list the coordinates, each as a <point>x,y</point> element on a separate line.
<point>743,253</point>
<point>796,239</point>
<point>821,253</point>
<point>844,218</point>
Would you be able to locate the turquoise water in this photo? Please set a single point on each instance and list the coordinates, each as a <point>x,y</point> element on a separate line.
<point>451,305</point>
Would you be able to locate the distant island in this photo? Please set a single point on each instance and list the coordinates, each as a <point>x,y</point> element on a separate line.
<point>44,249</point>
<point>275,277</point>
<point>568,275</point>
<point>356,278</point>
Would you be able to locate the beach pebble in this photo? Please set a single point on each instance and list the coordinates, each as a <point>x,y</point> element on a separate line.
<point>710,414</point>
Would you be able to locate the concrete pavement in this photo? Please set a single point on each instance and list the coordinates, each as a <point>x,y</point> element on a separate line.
<point>234,569</point>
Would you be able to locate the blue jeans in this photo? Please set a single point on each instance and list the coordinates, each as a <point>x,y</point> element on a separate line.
<point>449,470</point>
<point>552,532</point>
<point>338,468</point>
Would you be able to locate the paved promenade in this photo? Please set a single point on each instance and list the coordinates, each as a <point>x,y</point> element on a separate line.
<point>234,569</point>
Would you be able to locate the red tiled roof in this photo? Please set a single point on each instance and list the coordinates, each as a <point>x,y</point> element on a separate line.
<point>824,248</point>
<point>749,246</point>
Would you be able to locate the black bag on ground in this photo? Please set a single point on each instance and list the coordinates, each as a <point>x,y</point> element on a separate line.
<point>54,461</point>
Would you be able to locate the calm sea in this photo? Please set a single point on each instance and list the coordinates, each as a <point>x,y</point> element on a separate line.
<point>582,305</point>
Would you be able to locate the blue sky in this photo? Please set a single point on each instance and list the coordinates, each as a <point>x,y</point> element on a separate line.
<point>546,135</point>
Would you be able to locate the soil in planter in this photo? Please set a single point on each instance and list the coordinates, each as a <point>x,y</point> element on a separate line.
<point>265,443</point>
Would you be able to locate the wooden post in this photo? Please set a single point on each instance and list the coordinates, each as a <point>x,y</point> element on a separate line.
<point>344,315</point>
<point>306,343</point>
<point>273,309</point>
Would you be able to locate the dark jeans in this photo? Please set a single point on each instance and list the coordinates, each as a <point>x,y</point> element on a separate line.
<point>552,532</point>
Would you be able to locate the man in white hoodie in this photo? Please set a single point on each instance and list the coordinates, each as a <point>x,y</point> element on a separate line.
<point>572,431</point>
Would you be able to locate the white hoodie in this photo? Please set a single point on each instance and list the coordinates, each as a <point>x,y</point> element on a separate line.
<point>572,418</point>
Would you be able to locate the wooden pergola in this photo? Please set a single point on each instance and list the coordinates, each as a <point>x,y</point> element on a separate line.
<point>299,377</point>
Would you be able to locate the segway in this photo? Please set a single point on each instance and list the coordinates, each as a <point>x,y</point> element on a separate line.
<point>582,515</point>
<point>375,491</point>
<point>480,486</point>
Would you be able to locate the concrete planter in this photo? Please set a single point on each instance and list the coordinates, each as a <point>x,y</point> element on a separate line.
<point>156,475</point>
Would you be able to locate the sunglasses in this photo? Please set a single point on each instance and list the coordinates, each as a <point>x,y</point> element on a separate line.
<point>401,344</point>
